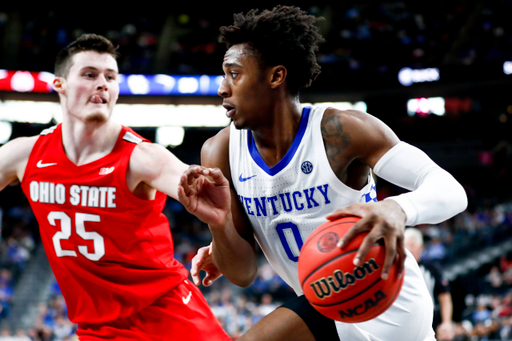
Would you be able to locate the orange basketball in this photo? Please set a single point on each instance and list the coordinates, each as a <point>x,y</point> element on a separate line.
<point>337,288</point>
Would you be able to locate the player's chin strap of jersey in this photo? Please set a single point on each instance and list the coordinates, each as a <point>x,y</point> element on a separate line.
<point>436,195</point>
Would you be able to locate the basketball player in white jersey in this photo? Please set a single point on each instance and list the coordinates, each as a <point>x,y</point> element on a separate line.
<point>280,170</point>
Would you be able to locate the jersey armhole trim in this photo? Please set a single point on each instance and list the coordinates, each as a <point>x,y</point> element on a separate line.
<point>48,131</point>
<point>128,136</point>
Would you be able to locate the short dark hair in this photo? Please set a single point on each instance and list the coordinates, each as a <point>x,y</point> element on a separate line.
<point>86,42</point>
<point>286,36</point>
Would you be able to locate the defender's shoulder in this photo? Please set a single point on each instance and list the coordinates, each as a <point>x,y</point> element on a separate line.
<point>15,155</point>
<point>20,147</point>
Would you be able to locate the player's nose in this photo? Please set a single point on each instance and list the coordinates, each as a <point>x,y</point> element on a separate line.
<point>101,82</point>
<point>224,90</point>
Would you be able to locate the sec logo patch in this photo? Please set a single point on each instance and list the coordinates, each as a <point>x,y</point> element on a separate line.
<point>306,167</point>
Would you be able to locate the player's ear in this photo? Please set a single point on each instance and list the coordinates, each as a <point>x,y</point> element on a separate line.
<point>278,74</point>
<point>59,85</point>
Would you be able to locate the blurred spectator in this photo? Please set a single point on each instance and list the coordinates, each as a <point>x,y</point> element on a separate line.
<point>62,328</point>
<point>21,335</point>
<point>5,335</point>
<point>436,250</point>
<point>481,314</point>
<point>495,280</point>
<point>266,306</point>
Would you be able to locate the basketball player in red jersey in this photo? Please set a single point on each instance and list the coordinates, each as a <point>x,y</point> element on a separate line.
<point>280,170</point>
<point>98,190</point>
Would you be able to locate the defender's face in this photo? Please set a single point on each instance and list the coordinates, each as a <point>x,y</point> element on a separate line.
<point>91,87</point>
<point>243,89</point>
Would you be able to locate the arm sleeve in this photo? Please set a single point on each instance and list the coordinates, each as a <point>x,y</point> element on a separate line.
<point>435,194</point>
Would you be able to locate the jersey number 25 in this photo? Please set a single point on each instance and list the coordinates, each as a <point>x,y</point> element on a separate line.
<point>65,233</point>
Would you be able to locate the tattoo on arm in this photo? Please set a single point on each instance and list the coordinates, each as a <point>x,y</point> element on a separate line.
<point>336,140</point>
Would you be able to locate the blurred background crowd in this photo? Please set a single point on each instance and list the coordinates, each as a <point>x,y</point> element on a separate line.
<point>378,36</point>
<point>367,44</point>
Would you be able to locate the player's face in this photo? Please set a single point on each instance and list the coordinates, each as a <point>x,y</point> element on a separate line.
<point>243,88</point>
<point>91,87</point>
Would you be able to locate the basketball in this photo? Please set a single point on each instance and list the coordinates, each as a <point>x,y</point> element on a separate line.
<point>337,288</point>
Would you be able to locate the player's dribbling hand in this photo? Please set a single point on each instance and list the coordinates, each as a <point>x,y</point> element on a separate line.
<point>204,192</point>
<point>382,220</point>
<point>203,260</point>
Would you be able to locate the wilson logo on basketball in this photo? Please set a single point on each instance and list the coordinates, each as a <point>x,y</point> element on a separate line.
<point>328,242</point>
<point>106,170</point>
<point>325,287</point>
<point>363,307</point>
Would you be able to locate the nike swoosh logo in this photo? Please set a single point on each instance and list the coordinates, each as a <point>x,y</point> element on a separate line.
<point>40,164</point>
<point>245,179</point>
<point>186,300</point>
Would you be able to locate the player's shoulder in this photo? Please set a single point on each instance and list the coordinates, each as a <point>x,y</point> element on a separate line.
<point>215,150</point>
<point>219,140</point>
<point>356,125</point>
<point>129,135</point>
<point>150,161</point>
<point>145,152</point>
<point>356,135</point>
<point>20,147</point>
<point>348,116</point>
<point>342,127</point>
<point>15,155</point>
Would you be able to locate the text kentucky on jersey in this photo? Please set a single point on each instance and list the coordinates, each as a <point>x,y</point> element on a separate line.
<point>298,200</point>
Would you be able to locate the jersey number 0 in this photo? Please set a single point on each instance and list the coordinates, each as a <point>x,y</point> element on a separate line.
<point>65,233</point>
<point>280,228</point>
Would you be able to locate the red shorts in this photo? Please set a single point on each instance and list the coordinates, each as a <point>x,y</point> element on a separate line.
<point>181,314</point>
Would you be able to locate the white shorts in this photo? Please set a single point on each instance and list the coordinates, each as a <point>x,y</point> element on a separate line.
<point>408,319</point>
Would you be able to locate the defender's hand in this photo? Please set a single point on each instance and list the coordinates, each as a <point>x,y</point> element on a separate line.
<point>204,192</point>
<point>203,260</point>
<point>383,220</point>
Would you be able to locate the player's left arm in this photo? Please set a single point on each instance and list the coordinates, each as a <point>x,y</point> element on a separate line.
<point>154,167</point>
<point>435,195</point>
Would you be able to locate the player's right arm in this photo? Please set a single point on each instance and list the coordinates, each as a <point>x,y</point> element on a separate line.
<point>206,192</point>
<point>14,158</point>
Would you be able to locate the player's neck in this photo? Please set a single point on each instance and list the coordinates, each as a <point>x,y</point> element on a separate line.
<point>85,142</point>
<point>275,137</point>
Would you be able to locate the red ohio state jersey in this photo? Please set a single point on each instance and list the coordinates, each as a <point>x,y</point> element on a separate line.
<point>111,252</point>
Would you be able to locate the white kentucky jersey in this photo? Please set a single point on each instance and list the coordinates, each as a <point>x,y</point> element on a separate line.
<point>288,201</point>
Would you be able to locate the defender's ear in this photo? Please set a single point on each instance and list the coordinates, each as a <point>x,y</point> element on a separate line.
<point>59,85</point>
<point>279,74</point>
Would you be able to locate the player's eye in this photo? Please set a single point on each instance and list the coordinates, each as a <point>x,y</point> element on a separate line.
<point>233,74</point>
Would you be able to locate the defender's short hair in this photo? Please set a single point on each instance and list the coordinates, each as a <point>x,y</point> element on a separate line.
<point>286,36</point>
<point>86,42</point>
